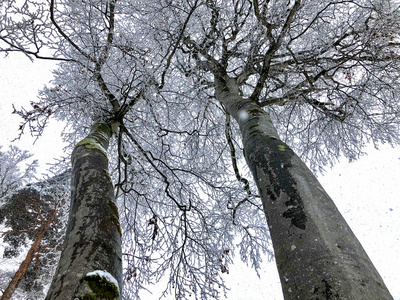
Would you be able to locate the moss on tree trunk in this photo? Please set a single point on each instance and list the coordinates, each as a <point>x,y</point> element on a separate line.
<point>317,254</point>
<point>93,237</point>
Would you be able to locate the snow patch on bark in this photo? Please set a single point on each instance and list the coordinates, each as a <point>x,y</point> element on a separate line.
<point>104,274</point>
<point>243,116</point>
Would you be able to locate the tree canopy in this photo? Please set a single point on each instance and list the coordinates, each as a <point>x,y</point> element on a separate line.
<point>326,73</point>
<point>11,175</point>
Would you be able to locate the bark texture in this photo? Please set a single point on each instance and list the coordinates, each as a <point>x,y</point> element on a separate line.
<point>317,254</point>
<point>93,236</point>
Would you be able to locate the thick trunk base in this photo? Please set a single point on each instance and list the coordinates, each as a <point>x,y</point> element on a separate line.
<point>317,254</point>
<point>93,238</point>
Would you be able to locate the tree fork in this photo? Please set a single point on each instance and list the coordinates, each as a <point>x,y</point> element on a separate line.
<point>317,254</point>
<point>93,236</point>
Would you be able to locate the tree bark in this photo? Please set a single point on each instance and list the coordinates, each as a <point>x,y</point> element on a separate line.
<point>93,236</point>
<point>317,254</point>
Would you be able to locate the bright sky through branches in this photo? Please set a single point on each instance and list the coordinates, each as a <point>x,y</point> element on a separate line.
<point>366,192</point>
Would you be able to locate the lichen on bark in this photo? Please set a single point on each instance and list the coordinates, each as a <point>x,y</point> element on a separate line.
<point>98,138</point>
<point>102,289</point>
<point>115,218</point>
<point>93,239</point>
<point>305,225</point>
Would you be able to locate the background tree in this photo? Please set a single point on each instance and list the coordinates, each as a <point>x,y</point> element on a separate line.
<point>33,217</point>
<point>12,178</point>
<point>11,175</point>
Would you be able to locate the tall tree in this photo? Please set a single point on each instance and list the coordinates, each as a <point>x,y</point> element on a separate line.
<point>171,199</point>
<point>169,75</point>
<point>93,236</point>
<point>328,73</point>
<point>91,263</point>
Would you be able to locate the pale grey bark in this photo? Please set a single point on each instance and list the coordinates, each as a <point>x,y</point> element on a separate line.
<point>317,254</point>
<point>93,237</point>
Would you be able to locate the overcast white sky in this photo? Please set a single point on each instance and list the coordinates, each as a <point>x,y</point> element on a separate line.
<point>367,191</point>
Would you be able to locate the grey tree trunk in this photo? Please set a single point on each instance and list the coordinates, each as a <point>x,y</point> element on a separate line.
<point>90,266</point>
<point>317,254</point>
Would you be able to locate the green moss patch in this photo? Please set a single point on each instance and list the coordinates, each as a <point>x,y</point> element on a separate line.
<point>114,208</point>
<point>115,220</point>
<point>115,217</point>
<point>92,143</point>
<point>102,289</point>
<point>281,147</point>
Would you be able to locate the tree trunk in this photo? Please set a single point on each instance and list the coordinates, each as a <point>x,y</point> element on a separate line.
<point>317,254</point>
<point>90,266</point>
